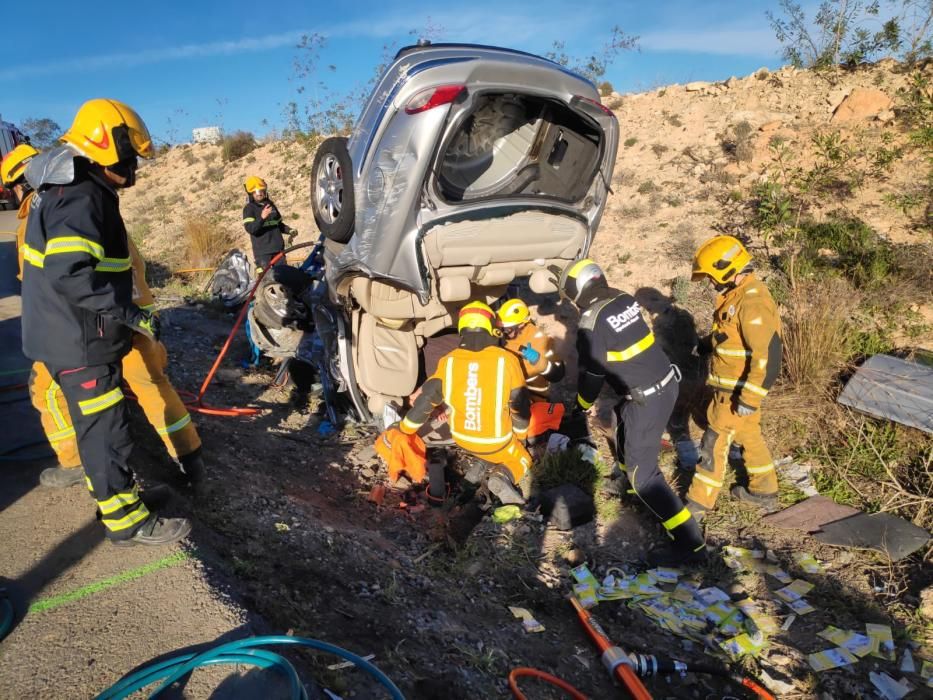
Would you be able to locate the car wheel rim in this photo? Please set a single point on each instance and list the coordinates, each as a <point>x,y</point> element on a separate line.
<point>329,192</point>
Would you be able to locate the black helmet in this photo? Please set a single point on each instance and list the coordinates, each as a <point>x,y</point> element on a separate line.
<point>580,278</point>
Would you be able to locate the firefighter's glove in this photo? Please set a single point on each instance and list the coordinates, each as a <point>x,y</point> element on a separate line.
<point>530,354</point>
<point>147,323</point>
<point>704,346</point>
<point>743,410</point>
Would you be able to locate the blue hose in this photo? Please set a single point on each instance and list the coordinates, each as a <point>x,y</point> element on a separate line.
<point>171,670</point>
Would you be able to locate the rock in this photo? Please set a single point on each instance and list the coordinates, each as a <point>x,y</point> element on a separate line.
<point>367,473</point>
<point>697,86</point>
<point>731,82</point>
<point>886,117</point>
<point>862,103</point>
<point>761,74</point>
<point>613,101</point>
<point>770,126</point>
<point>367,453</point>
<point>567,506</point>
<point>926,603</point>
<point>574,557</point>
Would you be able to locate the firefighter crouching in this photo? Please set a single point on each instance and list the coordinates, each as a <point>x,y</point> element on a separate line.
<point>78,311</point>
<point>539,361</point>
<point>615,345</point>
<point>745,344</point>
<point>483,389</point>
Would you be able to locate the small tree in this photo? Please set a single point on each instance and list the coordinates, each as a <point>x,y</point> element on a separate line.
<point>42,133</point>
<point>594,66</point>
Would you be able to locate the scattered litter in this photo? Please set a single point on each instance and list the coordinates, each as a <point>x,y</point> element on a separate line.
<point>788,622</point>
<point>809,515</point>
<point>348,664</point>
<point>888,687</point>
<point>926,673</point>
<point>743,645</point>
<point>799,476</point>
<point>894,389</point>
<point>504,514</point>
<point>325,429</point>
<point>882,643</point>
<point>831,658</point>
<point>858,644</point>
<point>528,621</point>
<point>907,662</point>
<point>795,591</point>
<point>377,494</point>
<point>808,563</point>
<point>558,442</point>
<point>883,532</point>
<point>801,607</point>
<point>282,527</point>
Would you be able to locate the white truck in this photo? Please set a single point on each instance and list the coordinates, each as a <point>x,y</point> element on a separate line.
<point>10,138</point>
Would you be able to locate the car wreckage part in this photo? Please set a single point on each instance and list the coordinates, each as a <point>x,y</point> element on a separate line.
<point>243,651</point>
<point>627,667</point>
<point>332,200</point>
<point>517,673</point>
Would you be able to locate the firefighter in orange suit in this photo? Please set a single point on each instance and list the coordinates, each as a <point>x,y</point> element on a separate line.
<point>745,344</point>
<point>143,367</point>
<point>483,388</point>
<point>540,363</point>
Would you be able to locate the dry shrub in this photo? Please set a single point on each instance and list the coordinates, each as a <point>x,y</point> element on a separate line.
<point>206,241</point>
<point>816,330</point>
<point>237,145</point>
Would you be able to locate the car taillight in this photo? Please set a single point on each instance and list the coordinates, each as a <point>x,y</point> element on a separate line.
<point>434,97</point>
<point>595,103</point>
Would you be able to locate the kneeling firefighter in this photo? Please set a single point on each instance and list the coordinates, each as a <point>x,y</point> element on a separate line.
<point>483,388</point>
<point>615,345</point>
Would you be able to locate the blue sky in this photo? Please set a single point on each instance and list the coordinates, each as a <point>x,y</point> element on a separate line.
<point>231,63</point>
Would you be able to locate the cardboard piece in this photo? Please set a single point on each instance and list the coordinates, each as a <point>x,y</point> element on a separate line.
<point>810,515</point>
<point>883,532</point>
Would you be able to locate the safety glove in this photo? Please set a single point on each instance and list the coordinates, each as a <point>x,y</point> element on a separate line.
<point>147,323</point>
<point>530,354</point>
<point>743,410</point>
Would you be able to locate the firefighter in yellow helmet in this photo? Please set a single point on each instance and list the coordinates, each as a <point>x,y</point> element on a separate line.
<point>79,314</point>
<point>745,347</point>
<point>13,176</point>
<point>263,222</point>
<point>483,388</point>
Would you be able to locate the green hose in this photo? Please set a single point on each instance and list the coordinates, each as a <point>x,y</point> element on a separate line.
<point>171,670</point>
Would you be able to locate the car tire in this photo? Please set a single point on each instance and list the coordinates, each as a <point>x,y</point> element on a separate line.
<point>332,190</point>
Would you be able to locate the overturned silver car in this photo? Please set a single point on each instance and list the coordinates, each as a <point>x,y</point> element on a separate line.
<point>470,167</point>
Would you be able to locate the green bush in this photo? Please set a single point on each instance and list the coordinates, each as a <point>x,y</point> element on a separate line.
<point>630,141</point>
<point>237,145</point>
<point>859,253</point>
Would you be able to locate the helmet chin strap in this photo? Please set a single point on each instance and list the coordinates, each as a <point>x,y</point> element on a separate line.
<point>126,171</point>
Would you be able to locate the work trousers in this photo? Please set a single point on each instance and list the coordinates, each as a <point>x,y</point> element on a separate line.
<point>144,372</point>
<point>513,457</point>
<point>638,442</point>
<point>726,428</point>
<point>95,402</point>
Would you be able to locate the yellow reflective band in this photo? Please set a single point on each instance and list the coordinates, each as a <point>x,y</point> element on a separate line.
<point>631,350</point>
<point>74,244</point>
<point>96,405</point>
<point>724,383</point>
<point>87,480</point>
<point>679,519</point>
<point>114,265</point>
<point>176,426</point>
<point>61,435</point>
<point>579,265</point>
<point>760,470</point>
<point>706,480</point>
<point>147,307</point>
<point>115,503</point>
<point>33,256</point>
<point>727,352</point>
<point>272,222</point>
<point>409,425</point>
<point>52,404</point>
<point>583,402</point>
<point>137,516</point>
<point>501,440</point>
<point>500,389</point>
<point>249,220</point>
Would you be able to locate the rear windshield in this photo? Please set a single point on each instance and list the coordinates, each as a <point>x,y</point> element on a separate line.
<point>519,145</point>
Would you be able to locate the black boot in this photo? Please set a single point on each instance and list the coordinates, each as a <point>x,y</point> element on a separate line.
<point>157,531</point>
<point>766,501</point>
<point>61,477</point>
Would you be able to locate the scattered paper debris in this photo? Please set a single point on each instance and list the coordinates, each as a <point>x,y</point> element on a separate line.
<point>808,563</point>
<point>788,622</point>
<point>795,591</point>
<point>529,623</point>
<point>801,607</point>
<point>882,641</point>
<point>558,442</point>
<point>888,687</point>
<point>858,644</point>
<point>907,663</point>
<point>831,658</point>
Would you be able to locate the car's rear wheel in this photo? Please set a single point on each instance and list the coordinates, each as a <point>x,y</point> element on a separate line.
<point>332,190</point>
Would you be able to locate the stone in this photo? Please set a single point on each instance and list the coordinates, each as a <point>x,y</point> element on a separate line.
<point>731,82</point>
<point>567,506</point>
<point>367,473</point>
<point>860,104</point>
<point>697,86</point>
<point>762,73</point>
<point>574,557</point>
<point>886,117</point>
<point>770,126</point>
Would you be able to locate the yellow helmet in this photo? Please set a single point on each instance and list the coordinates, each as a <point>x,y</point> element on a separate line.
<point>475,316</point>
<point>721,258</point>
<point>107,132</point>
<point>254,183</point>
<point>513,312</point>
<point>14,165</point>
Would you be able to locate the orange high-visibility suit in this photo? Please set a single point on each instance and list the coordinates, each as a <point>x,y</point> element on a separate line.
<point>487,405</point>
<point>547,368</point>
<point>746,359</point>
<point>143,369</point>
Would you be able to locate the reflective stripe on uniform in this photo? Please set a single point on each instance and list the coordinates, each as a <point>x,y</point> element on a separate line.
<point>137,516</point>
<point>631,350</point>
<point>249,220</point>
<point>679,519</point>
<point>406,424</point>
<point>728,352</point>
<point>74,244</point>
<point>479,440</point>
<point>583,402</point>
<point>61,435</point>
<point>114,265</point>
<point>500,378</point>
<point>99,403</point>
<point>147,307</point>
<point>114,503</point>
<point>760,470</point>
<point>33,256</point>
<point>176,426</point>
<point>707,480</point>
<point>724,383</point>
<point>51,403</point>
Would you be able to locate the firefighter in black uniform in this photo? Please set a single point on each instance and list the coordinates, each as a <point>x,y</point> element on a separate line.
<point>615,345</point>
<point>78,311</point>
<point>263,223</point>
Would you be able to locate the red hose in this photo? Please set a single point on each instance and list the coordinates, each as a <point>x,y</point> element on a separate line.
<point>546,677</point>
